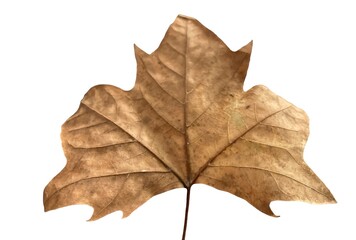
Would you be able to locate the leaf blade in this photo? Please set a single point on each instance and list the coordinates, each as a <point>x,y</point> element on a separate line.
<point>186,121</point>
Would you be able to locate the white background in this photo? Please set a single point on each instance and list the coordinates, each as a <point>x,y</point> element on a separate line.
<point>52,52</point>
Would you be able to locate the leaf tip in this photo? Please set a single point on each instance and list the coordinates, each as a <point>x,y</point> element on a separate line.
<point>332,200</point>
<point>95,216</point>
<point>47,194</point>
<point>138,51</point>
<point>185,17</point>
<point>125,214</point>
<point>45,209</point>
<point>274,215</point>
<point>328,198</point>
<point>247,48</point>
<point>269,211</point>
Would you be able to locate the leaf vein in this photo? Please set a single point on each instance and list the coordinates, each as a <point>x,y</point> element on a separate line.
<point>237,138</point>
<point>160,86</point>
<point>273,146</point>
<point>279,187</point>
<point>169,68</point>
<point>155,155</point>
<point>101,177</point>
<point>115,197</point>
<point>275,126</point>
<point>174,49</point>
<point>86,127</point>
<point>102,146</point>
<point>274,172</point>
<point>245,195</point>
<point>211,102</point>
<point>163,118</point>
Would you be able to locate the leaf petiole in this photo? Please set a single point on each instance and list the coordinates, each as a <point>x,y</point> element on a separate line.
<point>186,212</point>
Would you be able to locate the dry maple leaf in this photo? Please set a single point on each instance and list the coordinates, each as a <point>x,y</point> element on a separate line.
<point>186,121</point>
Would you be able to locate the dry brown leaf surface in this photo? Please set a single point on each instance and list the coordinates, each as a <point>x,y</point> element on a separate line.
<point>186,121</point>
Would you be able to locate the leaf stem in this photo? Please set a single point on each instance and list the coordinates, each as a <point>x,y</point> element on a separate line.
<point>186,212</point>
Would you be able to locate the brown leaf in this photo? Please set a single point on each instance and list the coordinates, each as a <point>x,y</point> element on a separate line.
<point>186,121</point>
